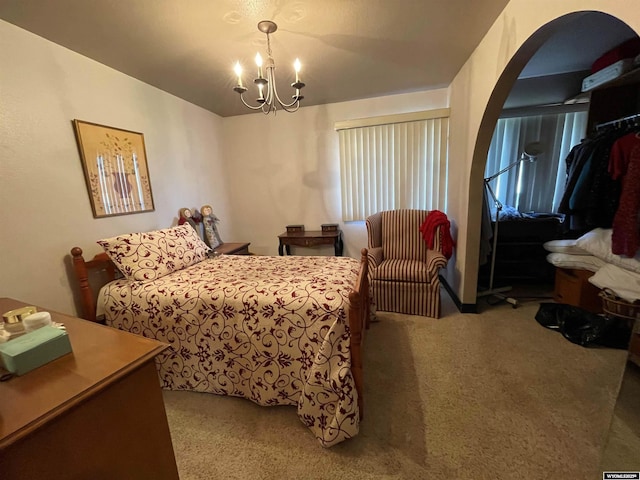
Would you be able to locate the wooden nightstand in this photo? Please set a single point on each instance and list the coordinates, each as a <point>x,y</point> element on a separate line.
<point>233,249</point>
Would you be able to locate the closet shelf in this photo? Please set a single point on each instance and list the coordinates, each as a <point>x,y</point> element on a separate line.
<point>615,99</point>
<point>628,78</point>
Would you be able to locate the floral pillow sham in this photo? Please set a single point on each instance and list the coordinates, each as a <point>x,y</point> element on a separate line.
<point>151,255</point>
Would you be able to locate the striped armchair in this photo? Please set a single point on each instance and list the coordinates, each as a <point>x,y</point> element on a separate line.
<point>403,272</point>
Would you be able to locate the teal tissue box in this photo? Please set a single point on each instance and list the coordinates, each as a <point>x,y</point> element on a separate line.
<point>34,349</point>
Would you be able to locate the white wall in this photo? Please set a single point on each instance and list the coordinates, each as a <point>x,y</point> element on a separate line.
<point>470,103</point>
<point>271,171</point>
<point>259,173</point>
<point>286,169</point>
<point>44,205</point>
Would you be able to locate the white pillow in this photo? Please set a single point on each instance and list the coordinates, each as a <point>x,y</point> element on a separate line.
<point>564,246</point>
<point>624,283</point>
<point>582,262</point>
<point>598,243</point>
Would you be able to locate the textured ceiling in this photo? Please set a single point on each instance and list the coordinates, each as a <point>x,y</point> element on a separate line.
<point>350,49</point>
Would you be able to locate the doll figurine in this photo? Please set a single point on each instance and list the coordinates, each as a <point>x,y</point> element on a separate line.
<point>187,217</point>
<point>209,221</point>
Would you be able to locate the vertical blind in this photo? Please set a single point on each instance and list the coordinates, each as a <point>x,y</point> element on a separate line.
<point>537,186</point>
<point>393,165</point>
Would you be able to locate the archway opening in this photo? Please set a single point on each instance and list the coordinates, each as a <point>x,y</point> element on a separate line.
<point>545,77</point>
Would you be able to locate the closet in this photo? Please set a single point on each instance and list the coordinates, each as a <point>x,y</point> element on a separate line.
<point>615,100</point>
<point>611,106</point>
<point>521,259</point>
<point>592,193</point>
<point>614,111</point>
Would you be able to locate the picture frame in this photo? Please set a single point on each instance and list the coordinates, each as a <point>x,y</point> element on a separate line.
<point>115,168</point>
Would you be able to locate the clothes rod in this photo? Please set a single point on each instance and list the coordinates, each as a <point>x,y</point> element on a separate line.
<point>619,120</point>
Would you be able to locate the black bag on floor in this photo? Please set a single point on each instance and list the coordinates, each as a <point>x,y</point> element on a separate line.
<point>583,327</point>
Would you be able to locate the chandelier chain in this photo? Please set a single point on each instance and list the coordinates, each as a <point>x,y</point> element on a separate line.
<point>268,46</point>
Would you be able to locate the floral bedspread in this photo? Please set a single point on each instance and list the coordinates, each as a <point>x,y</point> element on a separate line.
<point>270,329</point>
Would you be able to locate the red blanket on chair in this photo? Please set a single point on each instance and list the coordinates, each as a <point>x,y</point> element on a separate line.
<point>435,219</point>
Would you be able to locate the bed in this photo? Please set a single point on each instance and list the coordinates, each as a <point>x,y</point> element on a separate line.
<point>275,330</point>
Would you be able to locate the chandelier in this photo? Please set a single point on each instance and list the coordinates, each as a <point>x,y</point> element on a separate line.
<point>268,98</point>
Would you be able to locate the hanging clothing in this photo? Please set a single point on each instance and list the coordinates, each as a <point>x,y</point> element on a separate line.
<point>625,165</point>
<point>575,162</point>
<point>591,195</point>
<point>602,200</point>
<point>438,219</point>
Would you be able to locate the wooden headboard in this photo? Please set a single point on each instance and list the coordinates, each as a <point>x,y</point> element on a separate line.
<point>82,268</point>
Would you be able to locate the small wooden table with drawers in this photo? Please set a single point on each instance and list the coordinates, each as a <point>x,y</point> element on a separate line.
<point>310,239</point>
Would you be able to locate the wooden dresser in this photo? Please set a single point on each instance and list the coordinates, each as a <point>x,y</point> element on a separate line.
<point>95,413</point>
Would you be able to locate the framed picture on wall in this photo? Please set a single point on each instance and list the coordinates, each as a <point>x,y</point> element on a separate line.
<point>115,169</point>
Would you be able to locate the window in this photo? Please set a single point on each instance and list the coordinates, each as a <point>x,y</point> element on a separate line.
<point>393,162</point>
<point>537,186</point>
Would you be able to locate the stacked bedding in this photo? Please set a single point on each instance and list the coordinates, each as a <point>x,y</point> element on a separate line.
<point>592,252</point>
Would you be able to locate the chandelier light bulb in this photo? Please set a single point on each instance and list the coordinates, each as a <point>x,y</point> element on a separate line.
<point>238,70</point>
<point>259,64</point>
<point>296,67</point>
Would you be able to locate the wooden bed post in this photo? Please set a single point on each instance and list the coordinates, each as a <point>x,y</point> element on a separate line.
<point>86,295</point>
<point>99,263</point>
<point>358,322</point>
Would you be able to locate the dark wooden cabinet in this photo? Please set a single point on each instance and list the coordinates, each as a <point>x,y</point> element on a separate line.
<point>520,255</point>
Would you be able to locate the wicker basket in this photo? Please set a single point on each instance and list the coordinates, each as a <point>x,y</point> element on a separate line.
<point>614,305</point>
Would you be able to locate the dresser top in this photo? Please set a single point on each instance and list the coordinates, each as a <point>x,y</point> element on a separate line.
<point>101,356</point>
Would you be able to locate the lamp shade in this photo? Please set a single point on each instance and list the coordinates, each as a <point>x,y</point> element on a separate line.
<point>532,150</point>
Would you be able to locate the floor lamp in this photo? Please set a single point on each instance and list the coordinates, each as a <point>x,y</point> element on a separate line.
<point>530,153</point>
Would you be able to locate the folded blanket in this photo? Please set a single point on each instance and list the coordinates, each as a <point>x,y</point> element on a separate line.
<point>624,283</point>
<point>435,219</point>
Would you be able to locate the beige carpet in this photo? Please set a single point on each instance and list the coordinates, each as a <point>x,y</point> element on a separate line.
<point>486,396</point>
<point>622,451</point>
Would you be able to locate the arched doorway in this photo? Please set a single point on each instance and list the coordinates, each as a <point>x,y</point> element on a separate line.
<point>617,440</point>
<point>547,42</point>
<point>536,110</point>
